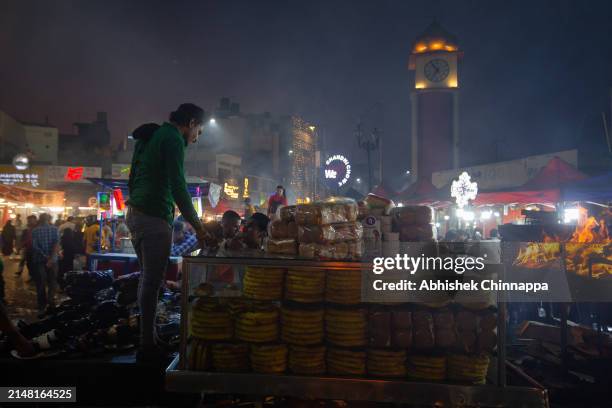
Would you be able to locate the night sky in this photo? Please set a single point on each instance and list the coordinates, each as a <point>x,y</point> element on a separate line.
<point>536,74</point>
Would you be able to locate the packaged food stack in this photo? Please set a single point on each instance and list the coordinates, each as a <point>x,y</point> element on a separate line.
<point>343,287</point>
<point>258,325</point>
<point>199,359</point>
<point>423,330</point>
<point>230,357</point>
<point>211,320</point>
<point>346,362</point>
<point>287,247</point>
<point>263,283</point>
<point>386,363</point>
<point>466,325</point>
<point>346,327</point>
<point>414,223</point>
<point>378,205</point>
<point>307,360</point>
<point>329,229</point>
<point>269,359</point>
<point>301,326</point>
<point>305,285</point>
<point>282,233</point>
<point>444,323</point>
<point>379,331</point>
<point>487,334</point>
<point>431,368</point>
<point>468,368</point>
<point>401,324</point>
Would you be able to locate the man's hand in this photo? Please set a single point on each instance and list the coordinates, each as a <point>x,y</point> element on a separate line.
<point>203,235</point>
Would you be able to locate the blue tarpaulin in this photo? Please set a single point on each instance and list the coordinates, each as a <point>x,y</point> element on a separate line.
<point>597,189</point>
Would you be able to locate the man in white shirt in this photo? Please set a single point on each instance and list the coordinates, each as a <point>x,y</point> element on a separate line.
<point>68,224</point>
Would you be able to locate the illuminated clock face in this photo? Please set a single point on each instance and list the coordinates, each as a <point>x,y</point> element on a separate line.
<point>436,70</point>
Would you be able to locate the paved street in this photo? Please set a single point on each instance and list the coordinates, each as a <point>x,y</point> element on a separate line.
<point>20,295</point>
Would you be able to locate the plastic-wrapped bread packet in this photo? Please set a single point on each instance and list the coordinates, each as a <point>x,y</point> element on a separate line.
<point>328,212</point>
<point>413,214</point>
<point>287,213</point>
<point>337,251</point>
<point>324,234</point>
<point>278,229</point>
<point>282,246</point>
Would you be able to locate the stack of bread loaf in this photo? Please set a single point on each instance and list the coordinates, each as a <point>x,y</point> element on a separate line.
<point>413,223</point>
<point>329,230</point>
<point>283,233</point>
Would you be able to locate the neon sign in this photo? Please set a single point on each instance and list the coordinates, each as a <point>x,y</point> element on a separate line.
<point>338,169</point>
<point>74,173</point>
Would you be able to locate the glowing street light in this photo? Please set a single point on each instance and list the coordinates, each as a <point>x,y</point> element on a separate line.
<point>290,152</point>
<point>212,121</point>
<point>358,180</point>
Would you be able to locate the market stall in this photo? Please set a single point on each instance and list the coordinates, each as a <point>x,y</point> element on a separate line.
<point>293,321</point>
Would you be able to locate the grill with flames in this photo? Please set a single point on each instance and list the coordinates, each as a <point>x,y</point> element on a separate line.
<point>587,253</point>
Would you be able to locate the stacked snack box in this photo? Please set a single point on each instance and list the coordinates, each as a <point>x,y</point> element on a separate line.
<point>309,321</point>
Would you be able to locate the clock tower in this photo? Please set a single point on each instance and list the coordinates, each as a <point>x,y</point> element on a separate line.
<point>435,102</point>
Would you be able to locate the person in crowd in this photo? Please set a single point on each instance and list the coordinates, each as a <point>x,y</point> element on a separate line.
<point>8,238</point>
<point>462,236</point>
<point>16,339</point>
<point>249,209</point>
<point>278,199</point>
<point>156,183</point>
<point>68,245</point>
<point>121,231</point>
<point>92,236</point>
<point>256,230</point>
<point>59,221</point>
<point>45,246</point>
<point>184,241</point>
<point>451,236</point>
<point>494,234</point>
<point>18,221</point>
<point>26,246</point>
<point>477,236</point>
<point>69,223</point>
<point>107,233</point>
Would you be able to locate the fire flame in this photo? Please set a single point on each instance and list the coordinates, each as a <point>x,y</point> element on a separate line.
<point>587,252</point>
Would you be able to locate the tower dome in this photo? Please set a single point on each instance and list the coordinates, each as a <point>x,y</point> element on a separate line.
<point>435,38</point>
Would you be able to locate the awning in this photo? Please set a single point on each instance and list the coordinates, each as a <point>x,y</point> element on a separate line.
<point>548,197</point>
<point>556,173</point>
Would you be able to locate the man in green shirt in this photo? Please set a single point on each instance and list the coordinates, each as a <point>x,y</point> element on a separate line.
<point>157,182</point>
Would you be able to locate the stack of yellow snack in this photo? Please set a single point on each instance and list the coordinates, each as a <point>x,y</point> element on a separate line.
<point>210,320</point>
<point>230,357</point>
<point>199,358</point>
<point>263,283</point>
<point>305,285</point>
<point>269,359</point>
<point>346,362</point>
<point>431,368</point>
<point>258,325</point>
<point>343,287</point>
<point>464,368</point>
<point>387,363</point>
<point>307,360</point>
<point>346,327</point>
<point>302,327</point>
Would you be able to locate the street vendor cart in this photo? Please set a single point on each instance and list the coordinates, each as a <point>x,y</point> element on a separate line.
<point>188,374</point>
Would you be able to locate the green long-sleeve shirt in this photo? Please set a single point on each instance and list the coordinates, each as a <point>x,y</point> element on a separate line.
<point>157,176</point>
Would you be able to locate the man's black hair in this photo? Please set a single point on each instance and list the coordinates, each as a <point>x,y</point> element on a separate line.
<point>145,132</point>
<point>186,113</point>
<point>261,221</point>
<point>230,215</point>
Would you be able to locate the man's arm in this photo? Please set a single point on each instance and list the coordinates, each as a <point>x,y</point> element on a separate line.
<point>174,150</point>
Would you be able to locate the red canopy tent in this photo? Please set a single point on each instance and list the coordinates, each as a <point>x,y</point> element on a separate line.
<point>556,173</point>
<point>422,193</point>
<point>549,197</point>
<point>382,190</point>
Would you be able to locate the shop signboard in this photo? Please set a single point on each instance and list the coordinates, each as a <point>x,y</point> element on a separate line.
<point>506,174</point>
<point>71,174</point>
<point>30,177</point>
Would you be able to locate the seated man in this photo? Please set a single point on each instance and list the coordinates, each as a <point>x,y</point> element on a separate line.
<point>184,241</point>
<point>253,235</point>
